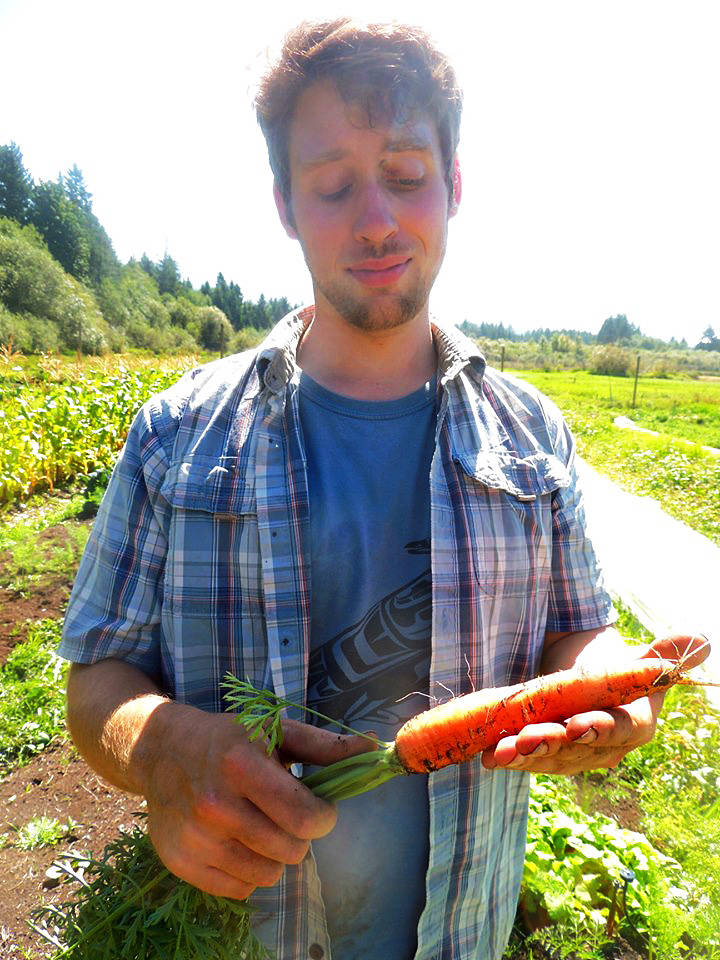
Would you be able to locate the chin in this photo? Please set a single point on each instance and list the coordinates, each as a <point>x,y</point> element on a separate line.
<point>379,313</point>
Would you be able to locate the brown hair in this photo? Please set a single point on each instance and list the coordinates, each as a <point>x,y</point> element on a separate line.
<point>391,69</point>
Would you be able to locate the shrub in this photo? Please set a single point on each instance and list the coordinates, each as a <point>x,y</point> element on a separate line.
<point>610,361</point>
<point>246,338</point>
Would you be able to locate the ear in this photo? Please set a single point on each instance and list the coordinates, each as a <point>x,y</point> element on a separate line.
<point>285,214</point>
<point>456,188</point>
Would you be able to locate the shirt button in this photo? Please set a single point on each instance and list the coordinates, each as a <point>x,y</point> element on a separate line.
<point>316,952</point>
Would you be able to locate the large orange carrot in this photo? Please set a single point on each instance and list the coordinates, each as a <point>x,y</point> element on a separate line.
<point>457,730</point>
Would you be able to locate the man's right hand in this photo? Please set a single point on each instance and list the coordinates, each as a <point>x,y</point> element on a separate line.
<point>222,814</point>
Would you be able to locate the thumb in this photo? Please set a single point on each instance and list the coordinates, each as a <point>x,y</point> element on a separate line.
<point>304,743</point>
<point>687,649</point>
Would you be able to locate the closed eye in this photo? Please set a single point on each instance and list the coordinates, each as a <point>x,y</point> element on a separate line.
<point>336,195</point>
<point>407,183</point>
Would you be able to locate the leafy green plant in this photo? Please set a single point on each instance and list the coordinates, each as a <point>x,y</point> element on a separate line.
<point>581,867</point>
<point>129,905</point>
<point>32,705</point>
<point>43,832</point>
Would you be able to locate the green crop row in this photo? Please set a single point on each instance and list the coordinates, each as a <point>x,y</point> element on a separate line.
<point>56,433</point>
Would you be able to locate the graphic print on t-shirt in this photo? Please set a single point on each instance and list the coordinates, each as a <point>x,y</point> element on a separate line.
<point>351,670</point>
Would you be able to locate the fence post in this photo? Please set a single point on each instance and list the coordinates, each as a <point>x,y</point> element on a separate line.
<point>637,374</point>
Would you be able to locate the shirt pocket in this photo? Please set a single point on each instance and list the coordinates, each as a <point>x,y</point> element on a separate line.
<point>508,517</point>
<point>213,568</point>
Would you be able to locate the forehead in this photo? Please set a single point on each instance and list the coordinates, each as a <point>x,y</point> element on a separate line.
<point>325,128</point>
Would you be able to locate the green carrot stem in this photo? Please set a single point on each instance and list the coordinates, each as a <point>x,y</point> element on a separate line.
<point>354,775</point>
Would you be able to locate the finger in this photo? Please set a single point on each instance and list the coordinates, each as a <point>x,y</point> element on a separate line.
<point>550,735</point>
<point>510,751</point>
<point>241,821</point>
<point>279,795</point>
<point>629,725</point>
<point>690,650</point>
<point>303,743</point>
<point>570,760</point>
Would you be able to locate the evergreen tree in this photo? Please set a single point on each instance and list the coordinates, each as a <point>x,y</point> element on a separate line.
<point>709,341</point>
<point>60,223</point>
<point>75,189</point>
<point>16,185</point>
<point>148,266</point>
<point>616,329</point>
<point>168,276</point>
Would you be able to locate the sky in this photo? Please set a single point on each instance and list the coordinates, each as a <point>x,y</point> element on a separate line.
<point>590,146</point>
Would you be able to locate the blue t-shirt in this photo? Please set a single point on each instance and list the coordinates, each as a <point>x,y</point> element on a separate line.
<point>368,476</point>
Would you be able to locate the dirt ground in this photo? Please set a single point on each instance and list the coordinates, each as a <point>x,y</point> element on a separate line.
<point>56,783</point>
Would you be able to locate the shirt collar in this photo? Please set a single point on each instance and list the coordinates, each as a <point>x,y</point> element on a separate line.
<point>276,358</point>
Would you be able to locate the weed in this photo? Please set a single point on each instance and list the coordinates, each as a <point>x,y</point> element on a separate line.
<point>32,706</point>
<point>44,832</point>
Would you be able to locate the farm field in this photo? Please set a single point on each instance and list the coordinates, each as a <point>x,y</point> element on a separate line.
<point>662,804</point>
<point>671,467</point>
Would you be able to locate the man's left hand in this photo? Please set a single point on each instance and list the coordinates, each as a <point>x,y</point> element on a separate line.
<point>596,739</point>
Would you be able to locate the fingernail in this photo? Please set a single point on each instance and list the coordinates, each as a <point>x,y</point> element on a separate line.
<point>590,736</point>
<point>540,750</point>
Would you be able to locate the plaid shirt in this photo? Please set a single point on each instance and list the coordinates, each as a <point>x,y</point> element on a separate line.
<point>198,565</point>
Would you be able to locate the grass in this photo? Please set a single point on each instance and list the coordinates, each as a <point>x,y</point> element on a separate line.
<point>684,479</point>
<point>32,701</point>
<point>23,564</point>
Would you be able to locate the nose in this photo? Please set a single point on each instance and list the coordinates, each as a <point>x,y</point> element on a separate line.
<point>375,220</point>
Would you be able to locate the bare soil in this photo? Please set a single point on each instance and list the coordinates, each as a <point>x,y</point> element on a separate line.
<point>47,597</point>
<point>56,783</point>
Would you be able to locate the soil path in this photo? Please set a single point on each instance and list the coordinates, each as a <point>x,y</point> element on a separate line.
<point>667,574</point>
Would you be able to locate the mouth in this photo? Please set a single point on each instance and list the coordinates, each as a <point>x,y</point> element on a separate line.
<point>379,273</point>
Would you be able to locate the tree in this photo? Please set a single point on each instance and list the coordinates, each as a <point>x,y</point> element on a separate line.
<point>709,341</point>
<point>214,330</point>
<point>616,329</point>
<point>16,185</point>
<point>60,223</point>
<point>75,189</point>
<point>168,276</point>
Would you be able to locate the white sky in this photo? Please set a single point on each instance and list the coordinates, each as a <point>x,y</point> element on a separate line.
<point>590,146</point>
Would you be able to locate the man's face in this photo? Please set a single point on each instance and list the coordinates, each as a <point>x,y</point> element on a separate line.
<point>369,206</point>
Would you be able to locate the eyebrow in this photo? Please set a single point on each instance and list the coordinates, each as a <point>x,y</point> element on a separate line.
<point>412,144</point>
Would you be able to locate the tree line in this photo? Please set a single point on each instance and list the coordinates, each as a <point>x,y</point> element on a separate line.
<point>615,330</point>
<point>62,287</point>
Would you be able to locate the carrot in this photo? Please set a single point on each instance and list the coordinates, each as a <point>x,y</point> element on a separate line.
<point>459,729</point>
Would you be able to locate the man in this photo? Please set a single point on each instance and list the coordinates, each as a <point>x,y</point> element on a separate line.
<point>363,516</point>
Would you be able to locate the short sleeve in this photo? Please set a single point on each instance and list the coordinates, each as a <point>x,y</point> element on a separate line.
<point>578,599</point>
<point>114,609</point>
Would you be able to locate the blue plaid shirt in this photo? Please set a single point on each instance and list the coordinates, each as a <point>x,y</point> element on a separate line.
<point>198,564</point>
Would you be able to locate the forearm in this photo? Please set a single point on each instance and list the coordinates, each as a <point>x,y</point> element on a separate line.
<point>564,650</point>
<point>117,717</point>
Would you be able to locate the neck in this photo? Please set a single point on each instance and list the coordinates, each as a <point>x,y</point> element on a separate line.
<point>368,365</point>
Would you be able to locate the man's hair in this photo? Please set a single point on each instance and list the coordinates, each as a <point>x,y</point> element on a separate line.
<point>393,70</point>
